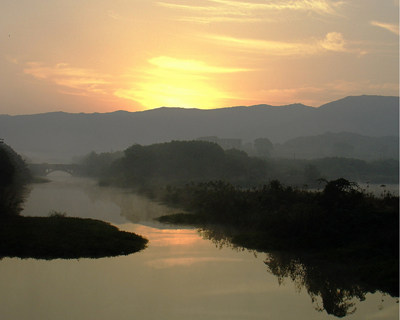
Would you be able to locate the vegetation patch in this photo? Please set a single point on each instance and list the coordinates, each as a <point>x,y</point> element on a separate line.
<point>64,237</point>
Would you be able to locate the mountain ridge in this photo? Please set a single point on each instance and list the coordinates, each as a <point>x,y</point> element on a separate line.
<point>61,135</point>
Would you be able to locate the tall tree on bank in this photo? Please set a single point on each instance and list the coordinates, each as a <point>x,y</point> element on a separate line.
<point>14,175</point>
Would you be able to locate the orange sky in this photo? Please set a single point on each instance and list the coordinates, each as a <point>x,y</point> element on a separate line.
<point>102,56</point>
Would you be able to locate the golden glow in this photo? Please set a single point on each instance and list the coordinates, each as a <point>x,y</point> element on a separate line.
<point>136,55</point>
<point>178,83</point>
<point>190,66</point>
<point>186,261</point>
<point>166,237</point>
<point>173,92</point>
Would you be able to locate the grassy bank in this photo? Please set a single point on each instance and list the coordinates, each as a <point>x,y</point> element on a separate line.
<point>64,237</point>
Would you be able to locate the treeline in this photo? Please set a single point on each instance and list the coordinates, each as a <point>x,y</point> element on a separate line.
<point>176,163</point>
<point>179,162</point>
<point>14,176</point>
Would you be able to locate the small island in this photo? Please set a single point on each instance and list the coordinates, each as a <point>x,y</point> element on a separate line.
<point>63,237</point>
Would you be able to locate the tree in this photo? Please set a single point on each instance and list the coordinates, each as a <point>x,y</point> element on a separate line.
<point>263,147</point>
<point>14,175</point>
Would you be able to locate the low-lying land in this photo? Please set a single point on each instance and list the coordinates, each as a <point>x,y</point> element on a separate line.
<point>64,237</point>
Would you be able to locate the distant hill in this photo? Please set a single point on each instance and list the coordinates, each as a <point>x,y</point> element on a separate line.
<point>59,136</point>
<point>343,144</point>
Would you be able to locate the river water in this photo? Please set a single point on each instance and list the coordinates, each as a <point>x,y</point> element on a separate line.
<point>179,275</point>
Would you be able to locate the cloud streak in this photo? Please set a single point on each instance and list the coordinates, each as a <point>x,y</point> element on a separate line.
<point>246,11</point>
<point>393,28</point>
<point>83,81</point>
<point>317,6</point>
<point>333,41</point>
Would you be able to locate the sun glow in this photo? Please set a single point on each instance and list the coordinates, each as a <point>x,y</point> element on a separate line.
<point>178,83</point>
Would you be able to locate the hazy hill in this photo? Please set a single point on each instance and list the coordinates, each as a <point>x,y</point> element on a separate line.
<point>343,144</point>
<point>59,136</point>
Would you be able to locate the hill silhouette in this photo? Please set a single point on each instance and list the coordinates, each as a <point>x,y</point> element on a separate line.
<point>58,136</point>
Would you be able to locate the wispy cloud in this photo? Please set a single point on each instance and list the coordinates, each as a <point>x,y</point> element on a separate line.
<point>394,28</point>
<point>246,11</point>
<point>333,41</point>
<point>318,6</point>
<point>82,81</point>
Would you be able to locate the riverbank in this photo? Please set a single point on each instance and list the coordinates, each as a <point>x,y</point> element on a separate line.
<point>64,237</point>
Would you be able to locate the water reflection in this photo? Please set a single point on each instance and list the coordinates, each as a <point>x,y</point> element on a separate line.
<point>133,207</point>
<point>330,288</point>
<point>334,286</point>
<point>179,276</point>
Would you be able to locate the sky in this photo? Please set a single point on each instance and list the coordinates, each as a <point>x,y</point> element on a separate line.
<point>102,56</point>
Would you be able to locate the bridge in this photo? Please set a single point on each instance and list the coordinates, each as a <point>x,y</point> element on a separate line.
<point>43,169</point>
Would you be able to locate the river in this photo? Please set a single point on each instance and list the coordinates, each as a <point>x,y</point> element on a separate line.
<point>179,275</point>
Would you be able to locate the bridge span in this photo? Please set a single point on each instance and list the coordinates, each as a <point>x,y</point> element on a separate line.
<point>43,169</point>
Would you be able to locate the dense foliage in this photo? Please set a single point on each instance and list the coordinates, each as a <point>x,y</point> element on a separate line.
<point>179,162</point>
<point>96,164</point>
<point>14,176</point>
